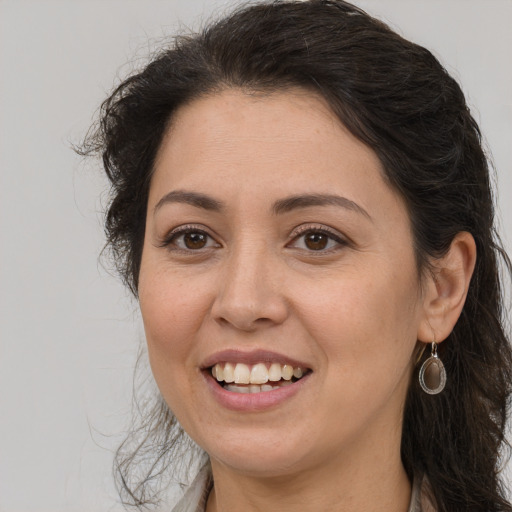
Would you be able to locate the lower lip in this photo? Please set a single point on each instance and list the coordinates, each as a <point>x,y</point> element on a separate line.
<point>248,402</point>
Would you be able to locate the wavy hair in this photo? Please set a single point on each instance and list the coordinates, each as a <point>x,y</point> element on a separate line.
<point>398,99</point>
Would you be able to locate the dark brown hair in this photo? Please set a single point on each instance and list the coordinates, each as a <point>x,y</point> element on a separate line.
<point>395,97</point>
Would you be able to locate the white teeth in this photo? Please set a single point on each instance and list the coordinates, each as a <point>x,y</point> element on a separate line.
<point>274,372</point>
<point>229,372</point>
<point>257,374</point>
<point>297,373</point>
<point>287,372</point>
<point>253,388</point>
<point>242,374</point>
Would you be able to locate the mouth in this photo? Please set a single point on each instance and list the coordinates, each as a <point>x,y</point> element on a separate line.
<point>261,377</point>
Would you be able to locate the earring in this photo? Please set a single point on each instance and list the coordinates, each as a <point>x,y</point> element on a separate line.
<point>432,373</point>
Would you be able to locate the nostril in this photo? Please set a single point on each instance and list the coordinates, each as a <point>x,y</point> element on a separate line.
<point>245,324</point>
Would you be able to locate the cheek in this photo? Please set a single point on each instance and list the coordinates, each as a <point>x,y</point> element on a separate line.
<point>367,340</point>
<point>172,311</point>
<point>169,322</point>
<point>364,323</point>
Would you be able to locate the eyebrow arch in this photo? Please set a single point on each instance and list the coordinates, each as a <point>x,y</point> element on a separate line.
<point>192,198</point>
<point>304,201</point>
<point>280,206</point>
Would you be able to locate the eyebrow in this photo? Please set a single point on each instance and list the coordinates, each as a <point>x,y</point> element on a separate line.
<point>304,201</point>
<point>281,206</point>
<point>192,198</point>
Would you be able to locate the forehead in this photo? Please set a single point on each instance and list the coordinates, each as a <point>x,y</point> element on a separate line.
<point>292,133</point>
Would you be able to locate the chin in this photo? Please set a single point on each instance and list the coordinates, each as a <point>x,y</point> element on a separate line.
<point>259,465</point>
<point>268,452</point>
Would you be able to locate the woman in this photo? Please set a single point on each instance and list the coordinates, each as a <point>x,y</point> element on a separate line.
<point>301,205</point>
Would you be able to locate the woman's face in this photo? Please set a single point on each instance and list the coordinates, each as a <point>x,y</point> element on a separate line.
<point>274,243</point>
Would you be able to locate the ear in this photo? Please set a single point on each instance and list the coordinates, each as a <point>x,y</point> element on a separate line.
<point>446,287</point>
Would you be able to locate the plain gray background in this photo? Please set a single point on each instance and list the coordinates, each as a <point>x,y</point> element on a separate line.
<point>69,332</point>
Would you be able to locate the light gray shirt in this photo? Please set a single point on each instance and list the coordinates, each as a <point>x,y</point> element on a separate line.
<point>194,499</point>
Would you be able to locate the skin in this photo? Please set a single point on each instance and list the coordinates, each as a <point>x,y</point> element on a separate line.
<point>353,311</point>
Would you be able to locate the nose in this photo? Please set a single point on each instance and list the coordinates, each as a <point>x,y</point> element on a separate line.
<point>250,291</point>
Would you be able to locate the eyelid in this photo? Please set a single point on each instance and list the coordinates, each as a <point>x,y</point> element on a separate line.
<point>168,238</point>
<point>335,235</point>
<point>300,230</point>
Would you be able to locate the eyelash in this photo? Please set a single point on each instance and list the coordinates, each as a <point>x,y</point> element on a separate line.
<point>332,235</point>
<point>175,234</point>
<point>302,231</point>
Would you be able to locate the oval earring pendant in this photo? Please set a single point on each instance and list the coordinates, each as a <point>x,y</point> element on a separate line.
<point>432,375</point>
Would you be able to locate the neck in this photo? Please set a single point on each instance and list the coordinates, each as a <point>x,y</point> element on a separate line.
<point>375,483</point>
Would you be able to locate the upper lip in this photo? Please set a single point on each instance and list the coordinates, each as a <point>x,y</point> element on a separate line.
<point>250,357</point>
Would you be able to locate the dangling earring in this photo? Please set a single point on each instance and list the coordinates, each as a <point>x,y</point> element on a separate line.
<point>432,373</point>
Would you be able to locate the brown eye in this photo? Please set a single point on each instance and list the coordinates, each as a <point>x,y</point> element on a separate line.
<point>195,240</point>
<point>189,239</point>
<point>316,241</point>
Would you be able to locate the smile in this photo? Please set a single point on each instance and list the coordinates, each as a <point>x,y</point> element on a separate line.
<point>257,378</point>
